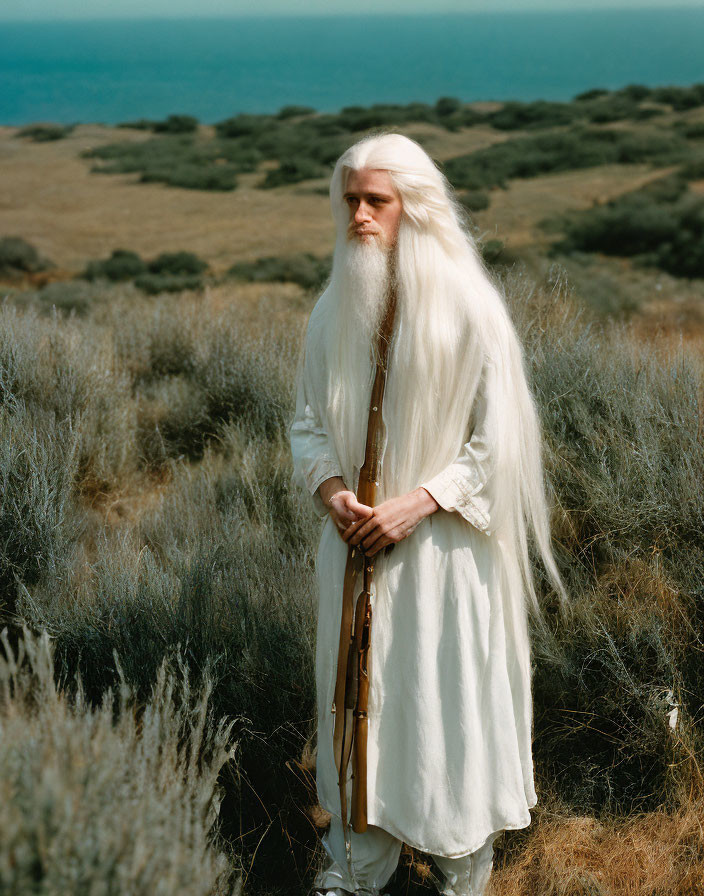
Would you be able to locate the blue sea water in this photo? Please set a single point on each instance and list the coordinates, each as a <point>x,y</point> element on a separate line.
<point>112,71</point>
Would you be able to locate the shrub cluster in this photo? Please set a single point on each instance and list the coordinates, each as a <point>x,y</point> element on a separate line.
<point>306,269</point>
<point>18,257</point>
<point>661,224</point>
<point>474,200</point>
<point>173,124</point>
<point>597,106</point>
<point>561,151</point>
<point>179,160</point>
<point>168,272</point>
<point>679,98</point>
<point>45,133</point>
<point>306,143</point>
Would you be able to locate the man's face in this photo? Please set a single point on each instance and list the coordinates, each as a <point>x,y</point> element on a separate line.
<point>374,206</point>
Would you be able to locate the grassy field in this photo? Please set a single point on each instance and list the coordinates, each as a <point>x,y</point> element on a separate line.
<point>156,568</point>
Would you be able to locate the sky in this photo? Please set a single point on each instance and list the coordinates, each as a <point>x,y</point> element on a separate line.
<point>48,10</point>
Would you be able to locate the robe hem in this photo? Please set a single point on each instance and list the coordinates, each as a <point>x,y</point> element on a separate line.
<point>393,830</point>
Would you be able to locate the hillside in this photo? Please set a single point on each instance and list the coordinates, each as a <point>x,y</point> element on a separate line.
<point>148,522</point>
<point>53,198</point>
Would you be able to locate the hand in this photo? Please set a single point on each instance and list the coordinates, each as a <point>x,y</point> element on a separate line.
<point>342,504</point>
<point>391,521</point>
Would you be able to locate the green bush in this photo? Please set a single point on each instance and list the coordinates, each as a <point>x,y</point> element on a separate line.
<point>139,124</point>
<point>693,170</point>
<point>643,113</point>
<point>292,171</point>
<point>17,256</point>
<point>169,272</point>
<point>153,284</point>
<point>192,177</point>
<point>692,130</point>
<point>636,92</point>
<point>539,114</point>
<point>123,264</point>
<point>243,158</point>
<point>474,200</point>
<point>447,105</point>
<point>561,151</point>
<point>631,93</point>
<point>44,133</point>
<point>176,124</point>
<point>597,106</point>
<point>492,250</point>
<point>128,156</point>
<point>680,98</point>
<point>177,160</point>
<point>245,380</point>
<point>607,109</point>
<point>244,125</point>
<point>294,111</point>
<point>593,93</point>
<point>306,269</point>
<point>660,225</point>
<point>602,291</point>
<point>178,263</point>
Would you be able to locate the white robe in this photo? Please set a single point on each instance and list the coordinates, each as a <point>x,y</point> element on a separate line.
<point>450,711</point>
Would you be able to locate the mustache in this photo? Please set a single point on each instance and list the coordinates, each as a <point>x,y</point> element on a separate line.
<point>353,230</point>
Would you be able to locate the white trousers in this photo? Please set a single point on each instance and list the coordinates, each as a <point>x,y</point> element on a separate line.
<point>375,855</point>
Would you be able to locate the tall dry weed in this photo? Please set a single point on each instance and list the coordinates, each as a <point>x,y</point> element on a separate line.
<point>115,798</point>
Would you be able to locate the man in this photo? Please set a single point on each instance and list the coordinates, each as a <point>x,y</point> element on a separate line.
<point>449,762</point>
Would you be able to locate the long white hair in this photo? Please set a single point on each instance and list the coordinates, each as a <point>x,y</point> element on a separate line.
<point>451,327</point>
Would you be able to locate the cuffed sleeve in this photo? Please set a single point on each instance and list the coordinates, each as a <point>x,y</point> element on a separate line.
<point>314,456</point>
<point>465,486</point>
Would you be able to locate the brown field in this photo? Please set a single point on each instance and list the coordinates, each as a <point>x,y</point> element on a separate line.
<point>50,197</point>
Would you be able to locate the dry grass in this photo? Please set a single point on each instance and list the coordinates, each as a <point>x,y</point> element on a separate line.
<point>51,198</point>
<point>654,853</point>
<point>116,798</point>
<point>514,213</point>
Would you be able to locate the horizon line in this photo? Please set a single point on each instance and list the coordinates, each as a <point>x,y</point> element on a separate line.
<point>331,14</point>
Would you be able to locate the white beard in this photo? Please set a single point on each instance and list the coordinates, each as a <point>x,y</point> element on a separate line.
<point>365,281</point>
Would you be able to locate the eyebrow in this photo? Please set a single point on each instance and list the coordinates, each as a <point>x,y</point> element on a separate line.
<point>373,194</point>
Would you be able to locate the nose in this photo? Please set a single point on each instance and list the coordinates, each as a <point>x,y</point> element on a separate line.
<point>362,213</point>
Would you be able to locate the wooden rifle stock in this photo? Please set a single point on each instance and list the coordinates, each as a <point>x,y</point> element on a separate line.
<point>352,682</point>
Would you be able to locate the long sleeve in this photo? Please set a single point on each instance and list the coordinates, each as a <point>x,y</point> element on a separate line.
<point>314,456</point>
<point>465,486</point>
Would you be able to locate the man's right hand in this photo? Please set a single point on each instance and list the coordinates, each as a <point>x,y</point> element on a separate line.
<point>342,504</point>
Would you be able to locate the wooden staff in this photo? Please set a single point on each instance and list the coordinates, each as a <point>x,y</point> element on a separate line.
<point>352,682</point>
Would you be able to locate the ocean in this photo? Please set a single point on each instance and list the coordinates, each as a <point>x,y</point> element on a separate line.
<point>113,71</point>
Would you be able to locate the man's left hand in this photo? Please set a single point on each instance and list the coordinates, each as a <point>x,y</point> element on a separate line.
<point>391,521</point>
